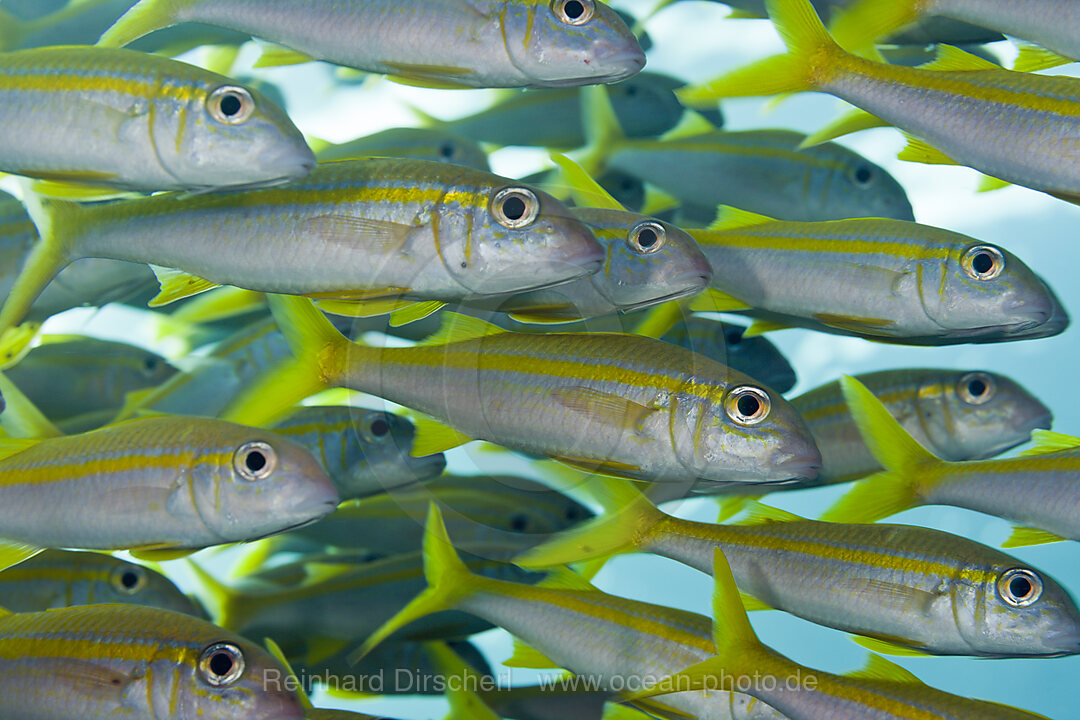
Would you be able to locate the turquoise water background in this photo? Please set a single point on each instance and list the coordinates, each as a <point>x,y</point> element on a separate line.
<point>694,41</point>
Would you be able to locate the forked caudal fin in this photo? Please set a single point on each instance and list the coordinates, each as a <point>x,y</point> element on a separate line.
<point>142,19</point>
<point>903,458</point>
<point>448,580</point>
<point>811,52</point>
<point>57,224</point>
<point>320,354</point>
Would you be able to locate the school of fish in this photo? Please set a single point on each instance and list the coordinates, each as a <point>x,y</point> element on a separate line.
<point>258,497</point>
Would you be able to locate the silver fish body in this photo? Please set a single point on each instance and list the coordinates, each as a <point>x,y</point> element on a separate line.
<point>139,122</point>
<point>75,376</point>
<point>645,105</point>
<point>763,171</point>
<point>436,144</point>
<point>887,279</point>
<point>160,482</point>
<point>127,662</point>
<point>489,43</point>
<point>365,452</point>
<point>61,578</point>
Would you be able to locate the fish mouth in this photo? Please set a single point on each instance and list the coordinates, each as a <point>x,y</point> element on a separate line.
<point>800,467</point>
<point>329,505</point>
<point>688,291</point>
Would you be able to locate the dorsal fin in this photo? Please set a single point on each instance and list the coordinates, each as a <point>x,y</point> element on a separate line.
<point>566,579</point>
<point>457,328</point>
<point>952,58</point>
<point>729,218</point>
<point>761,514</point>
<point>878,668</point>
<point>586,191</point>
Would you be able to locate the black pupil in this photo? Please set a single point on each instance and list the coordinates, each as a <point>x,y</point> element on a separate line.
<point>231,105</point>
<point>571,513</point>
<point>514,208</point>
<point>983,263</point>
<point>518,523</point>
<point>574,9</point>
<point>1020,587</point>
<point>255,461</point>
<point>862,175</point>
<point>220,664</point>
<point>150,363</point>
<point>976,388</point>
<point>447,150</point>
<point>380,427</point>
<point>749,405</point>
<point>631,90</point>
<point>647,238</point>
<point>734,337</point>
<point>129,580</point>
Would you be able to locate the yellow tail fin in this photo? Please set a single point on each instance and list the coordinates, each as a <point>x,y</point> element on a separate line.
<point>142,19</point>
<point>449,580</point>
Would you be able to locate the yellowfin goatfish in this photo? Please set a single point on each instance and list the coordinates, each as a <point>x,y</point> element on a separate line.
<point>136,663</point>
<point>568,623</point>
<point>958,415</point>
<point>90,281</point>
<point>879,278</point>
<point>726,344</point>
<point>1052,25</point>
<point>491,43</point>
<point>372,228</point>
<point>909,586</point>
<point>623,404</point>
<point>759,170</point>
<point>1016,127</point>
<point>881,690</point>
<point>419,143</point>
<point>67,376</point>
<point>645,106</point>
<point>124,119</point>
<point>648,261</point>
<point>1038,489</point>
<point>61,578</point>
<point>365,452</point>
<point>485,508</point>
<point>312,603</point>
<point>158,483</point>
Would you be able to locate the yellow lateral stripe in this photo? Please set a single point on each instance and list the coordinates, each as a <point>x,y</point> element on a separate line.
<point>61,469</point>
<point>34,645</point>
<point>59,82</point>
<point>914,248</point>
<point>839,407</point>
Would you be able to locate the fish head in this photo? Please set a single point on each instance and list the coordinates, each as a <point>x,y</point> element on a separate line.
<point>648,261</point>
<point>559,43</point>
<point>250,483</point>
<point>514,239</point>
<point>976,415</point>
<point>131,584</point>
<point>983,288</point>
<point>381,457</point>
<point>646,104</point>
<point>1017,610</point>
<point>741,431</point>
<point>223,677</point>
<point>850,186</point>
<point>230,136</point>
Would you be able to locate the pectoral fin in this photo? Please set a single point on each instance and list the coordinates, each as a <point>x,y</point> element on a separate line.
<point>176,285</point>
<point>433,437</point>
<point>922,152</point>
<point>603,407</point>
<point>377,235</point>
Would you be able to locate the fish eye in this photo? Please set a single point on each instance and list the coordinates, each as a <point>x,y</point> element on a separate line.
<point>733,335</point>
<point>863,176</point>
<point>221,664</point>
<point>150,363</point>
<point>376,426</point>
<point>646,237</point>
<point>1019,587</point>
<point>519,522</point>
<point>976,388</point>
<point>255,460</point>
<point>983,262</point>
<point>230,104</point>
<point>446,150</point>
<point>747,405</point>
<point>128,579</point>
<point>574,12</point>
<point>515,207</point>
